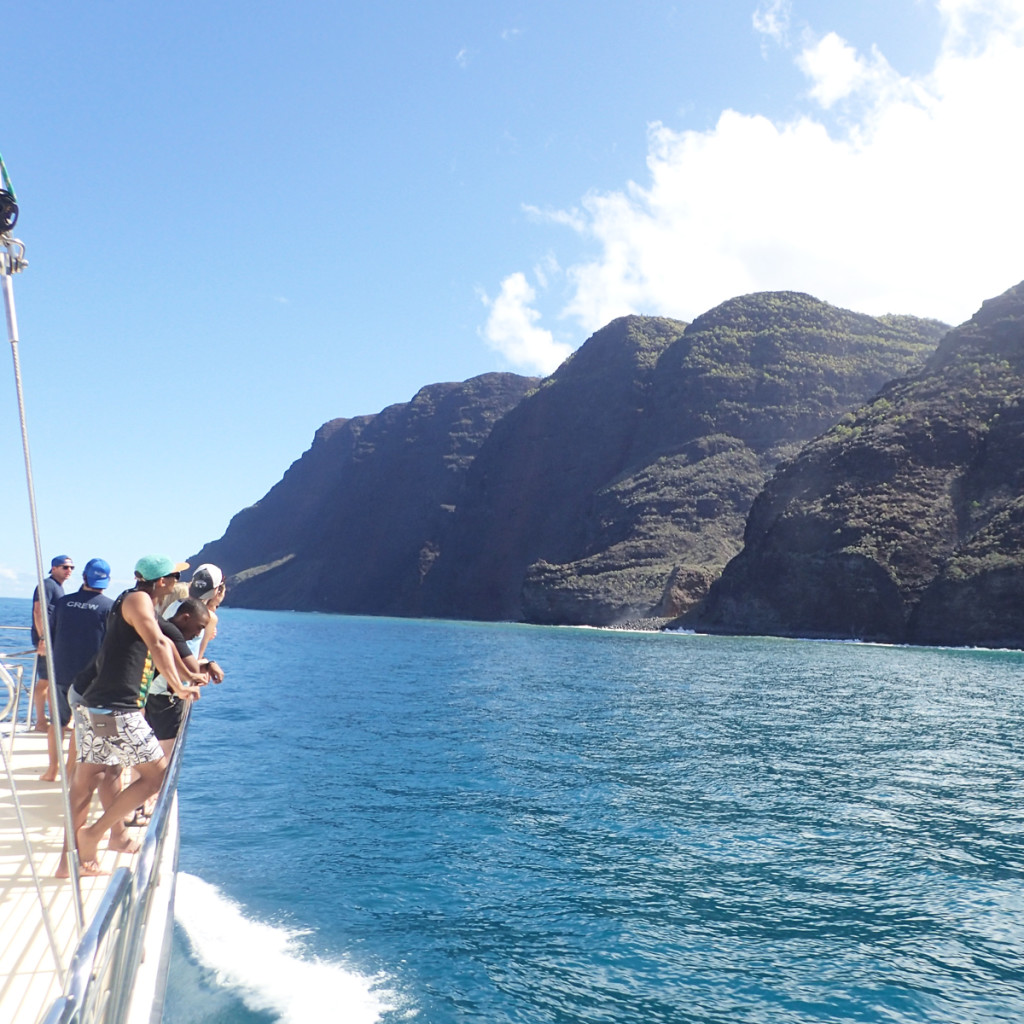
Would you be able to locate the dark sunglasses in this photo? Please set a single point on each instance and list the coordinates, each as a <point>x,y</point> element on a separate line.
<point>172,576</point>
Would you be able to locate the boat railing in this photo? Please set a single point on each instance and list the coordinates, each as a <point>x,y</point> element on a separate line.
<point>103,970</point>
<point>18,657</point>
<point>97,961</point>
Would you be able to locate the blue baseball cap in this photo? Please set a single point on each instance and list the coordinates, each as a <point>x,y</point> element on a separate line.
<point>97,573</point>
<point>60,560</point>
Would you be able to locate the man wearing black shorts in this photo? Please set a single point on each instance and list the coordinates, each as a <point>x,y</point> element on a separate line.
<point>164,709</point>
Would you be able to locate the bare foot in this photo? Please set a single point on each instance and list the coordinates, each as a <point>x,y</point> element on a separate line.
<point>41,727</point>
<point>86,867</point>
<point>50,775</point>
<point>88,844</point>
<point>123,843</point>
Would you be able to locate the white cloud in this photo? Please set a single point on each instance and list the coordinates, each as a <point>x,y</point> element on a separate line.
<point>837,71</point>
<point>971,23</point>
<point>512,329</point>
<point>888,194</point>
<point>772,19</point>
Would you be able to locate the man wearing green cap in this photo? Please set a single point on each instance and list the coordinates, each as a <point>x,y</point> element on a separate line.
<point>110,724</point>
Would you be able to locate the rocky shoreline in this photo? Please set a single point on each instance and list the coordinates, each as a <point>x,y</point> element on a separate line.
<point>648,625</point>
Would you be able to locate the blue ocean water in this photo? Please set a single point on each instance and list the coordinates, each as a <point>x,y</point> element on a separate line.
<point>391,820</point>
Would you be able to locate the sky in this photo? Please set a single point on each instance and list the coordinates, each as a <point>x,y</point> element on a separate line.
<point>245,219</point>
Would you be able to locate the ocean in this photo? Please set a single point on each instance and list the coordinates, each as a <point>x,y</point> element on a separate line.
<point>397,820</point>
<point>392,820</point>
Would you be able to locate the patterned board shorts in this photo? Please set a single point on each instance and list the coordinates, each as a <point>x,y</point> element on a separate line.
<point>131,740</point>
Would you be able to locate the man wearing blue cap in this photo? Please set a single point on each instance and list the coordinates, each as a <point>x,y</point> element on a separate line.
<point>77,627</point>
<point>61,569</point>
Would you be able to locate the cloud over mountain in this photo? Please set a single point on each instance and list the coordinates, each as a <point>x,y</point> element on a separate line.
<point>887,191</point>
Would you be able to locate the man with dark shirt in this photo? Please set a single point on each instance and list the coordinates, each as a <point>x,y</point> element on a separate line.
<point>61,569</point>
<point>163,709</point>
<point>110,723</point>
<point>77,627</point>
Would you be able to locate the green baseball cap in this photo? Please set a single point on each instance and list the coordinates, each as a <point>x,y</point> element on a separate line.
<point>152,567</point>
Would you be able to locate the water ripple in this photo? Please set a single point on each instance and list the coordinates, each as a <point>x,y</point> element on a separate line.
<point>541,825</point>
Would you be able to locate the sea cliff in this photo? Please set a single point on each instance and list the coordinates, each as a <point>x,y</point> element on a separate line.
<point>739,473</point>
<point>904,521</point>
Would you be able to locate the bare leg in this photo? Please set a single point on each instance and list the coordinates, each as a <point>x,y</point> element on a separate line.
<point>39,704</point>
<point>53,768</point>
<point>120,839</point>
<point>151,775</point>
<point>72,759</point>
<point>83,784</point>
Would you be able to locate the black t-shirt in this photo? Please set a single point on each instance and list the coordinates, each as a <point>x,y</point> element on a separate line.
<point>171,631</point>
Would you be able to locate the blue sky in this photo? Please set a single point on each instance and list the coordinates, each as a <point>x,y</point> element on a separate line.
<point>243,220</point>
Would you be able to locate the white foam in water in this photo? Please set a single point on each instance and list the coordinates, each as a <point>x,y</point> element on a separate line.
<point>264,964</point>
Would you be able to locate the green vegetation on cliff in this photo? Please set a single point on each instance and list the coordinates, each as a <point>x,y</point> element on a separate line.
<point>904,521</point>
<point>617,487</point>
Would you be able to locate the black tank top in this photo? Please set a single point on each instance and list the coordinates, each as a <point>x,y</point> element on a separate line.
<point>124,668</point>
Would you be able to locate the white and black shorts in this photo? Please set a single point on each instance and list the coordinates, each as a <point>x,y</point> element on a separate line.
<point>114,737</point>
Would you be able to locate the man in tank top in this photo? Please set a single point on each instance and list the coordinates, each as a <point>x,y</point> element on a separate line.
<point>109,723</point>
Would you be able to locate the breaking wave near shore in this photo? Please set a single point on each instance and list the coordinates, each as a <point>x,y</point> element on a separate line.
<point>245,970</point>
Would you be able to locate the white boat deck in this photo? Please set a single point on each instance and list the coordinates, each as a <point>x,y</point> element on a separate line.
<point>29,978</point>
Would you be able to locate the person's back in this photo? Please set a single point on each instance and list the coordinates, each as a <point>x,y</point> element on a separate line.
<point>79,623</point>
<point>124,668</point>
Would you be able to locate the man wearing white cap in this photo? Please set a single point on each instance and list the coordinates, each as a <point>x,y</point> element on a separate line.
<point>208,585</point>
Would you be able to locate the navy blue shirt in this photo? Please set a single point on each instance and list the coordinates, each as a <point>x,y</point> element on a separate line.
<point>78,625</point>
<point>54,591</point>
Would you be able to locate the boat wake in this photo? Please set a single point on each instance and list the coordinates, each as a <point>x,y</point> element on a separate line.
<point>266,965</point>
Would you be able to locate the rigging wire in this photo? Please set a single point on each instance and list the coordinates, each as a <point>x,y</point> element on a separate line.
<point>47,923</point>
<point>12,261</point>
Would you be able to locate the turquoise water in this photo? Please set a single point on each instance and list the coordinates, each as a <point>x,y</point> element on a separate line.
<point>391,820</point>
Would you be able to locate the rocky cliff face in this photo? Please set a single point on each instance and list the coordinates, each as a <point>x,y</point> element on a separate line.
<point>616,488</point>
<point>619,489</point>
<point>904,522</point>
<point>356,522</point>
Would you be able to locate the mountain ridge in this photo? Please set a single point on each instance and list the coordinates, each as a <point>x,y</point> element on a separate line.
<point>617,487</point>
